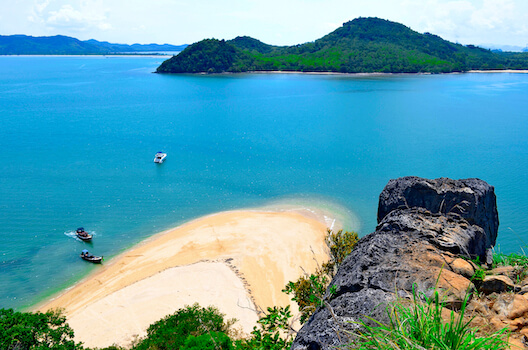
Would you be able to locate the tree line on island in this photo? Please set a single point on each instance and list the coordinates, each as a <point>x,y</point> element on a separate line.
<point>363,45</point>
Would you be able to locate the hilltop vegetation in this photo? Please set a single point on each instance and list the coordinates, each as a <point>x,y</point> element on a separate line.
<point>364,45</point>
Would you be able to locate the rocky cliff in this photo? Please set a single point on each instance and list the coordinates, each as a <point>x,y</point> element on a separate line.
<point>427,230</point>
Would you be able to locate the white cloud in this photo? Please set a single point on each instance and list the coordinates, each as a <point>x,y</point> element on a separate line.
<point>494,14</point>
<point>74,16</point>
<point>470,21</point>
<point>277,22</point>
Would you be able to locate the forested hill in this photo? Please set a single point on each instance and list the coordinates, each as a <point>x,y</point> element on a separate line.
<point>64,45</point>
<point>364,45</point>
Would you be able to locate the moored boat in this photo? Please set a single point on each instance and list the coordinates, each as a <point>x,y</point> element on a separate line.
<point>83,235</point>
<point>160,157</point>
<point>85,255</point>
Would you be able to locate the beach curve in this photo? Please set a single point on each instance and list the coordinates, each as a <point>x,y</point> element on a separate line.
<point>238,261</point>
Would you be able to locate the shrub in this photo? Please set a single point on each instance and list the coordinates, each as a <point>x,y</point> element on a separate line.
<point>340,245</point>
<point>26,330</point>
<point>172,331</point>
<point>272,333</point>
<point>208,341</point>
<point>309,290</point>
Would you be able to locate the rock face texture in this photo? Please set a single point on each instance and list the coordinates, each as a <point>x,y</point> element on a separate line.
<point>424,226</point>
<point>472,199</point>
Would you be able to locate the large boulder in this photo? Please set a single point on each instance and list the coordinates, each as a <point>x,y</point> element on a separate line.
<point>414,247</point>
<point>472,199</point>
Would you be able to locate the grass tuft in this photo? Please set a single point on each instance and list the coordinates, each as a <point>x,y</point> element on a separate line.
<point>500,259</point>
<point>420,326</point>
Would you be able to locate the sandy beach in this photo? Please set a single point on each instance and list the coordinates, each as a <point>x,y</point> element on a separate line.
<point>524,71</point>
<point>237,261</point>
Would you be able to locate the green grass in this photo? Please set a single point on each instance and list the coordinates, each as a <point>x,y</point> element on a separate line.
<point>500,259</point>
<point>519,262</point>
<point>420,326</point>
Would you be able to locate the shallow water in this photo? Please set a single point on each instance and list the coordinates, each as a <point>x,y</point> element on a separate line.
<point>79,134</point>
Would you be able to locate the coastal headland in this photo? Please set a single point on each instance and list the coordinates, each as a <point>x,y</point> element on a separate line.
<point>238,261</point>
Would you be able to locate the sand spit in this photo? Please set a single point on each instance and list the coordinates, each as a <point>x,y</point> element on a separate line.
<point>238,261</point>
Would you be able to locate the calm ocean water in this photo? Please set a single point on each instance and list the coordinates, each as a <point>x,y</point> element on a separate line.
<point>78,136</point>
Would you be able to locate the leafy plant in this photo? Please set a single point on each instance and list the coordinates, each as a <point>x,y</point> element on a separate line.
<point>309,290</point>
<point>172,331</point>
<point>272,332</point>
<point>209,341</point>
<point>340,245</point>
<point>26,330</point>
<point>479,275</point>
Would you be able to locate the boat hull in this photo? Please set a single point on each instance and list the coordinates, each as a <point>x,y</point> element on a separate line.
<point>86,238</point>
<point>93,259</point>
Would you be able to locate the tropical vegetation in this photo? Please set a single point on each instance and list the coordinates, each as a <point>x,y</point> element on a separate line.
<point>363,45</point>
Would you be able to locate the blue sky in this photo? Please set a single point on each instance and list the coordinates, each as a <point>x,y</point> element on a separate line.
<point>278,22</point>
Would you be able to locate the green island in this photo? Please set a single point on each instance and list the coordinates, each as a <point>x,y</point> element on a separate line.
<point>363,45</point>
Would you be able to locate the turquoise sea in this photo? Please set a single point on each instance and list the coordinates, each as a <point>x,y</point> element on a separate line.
<point>78,136</point>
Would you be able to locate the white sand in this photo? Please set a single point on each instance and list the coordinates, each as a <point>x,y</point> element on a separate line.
<point>237,261</point>
<point>500,71</point>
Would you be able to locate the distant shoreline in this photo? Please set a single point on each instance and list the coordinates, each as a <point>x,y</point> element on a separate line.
<point>373,74</point>
<point>524,71</point>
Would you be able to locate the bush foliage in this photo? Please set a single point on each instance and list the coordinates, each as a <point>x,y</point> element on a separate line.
<point>26,330</point>
<point>173,331</point>
<point>309,290</point>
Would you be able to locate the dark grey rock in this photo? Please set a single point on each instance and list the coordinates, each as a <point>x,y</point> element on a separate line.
<point>472,199</point>
<point>334,324</point>
<point>409,250</point>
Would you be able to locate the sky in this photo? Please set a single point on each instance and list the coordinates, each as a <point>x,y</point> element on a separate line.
<point>276,22</point>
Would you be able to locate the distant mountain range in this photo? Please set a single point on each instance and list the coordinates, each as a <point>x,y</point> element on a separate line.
<point>363,45</point>
<point>504,48</point>
<point>64,45</point>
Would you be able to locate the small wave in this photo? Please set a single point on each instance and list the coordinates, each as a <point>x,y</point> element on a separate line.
<point>335,215</point>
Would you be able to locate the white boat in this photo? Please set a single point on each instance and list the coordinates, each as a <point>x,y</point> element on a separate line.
<point>160,157</point>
